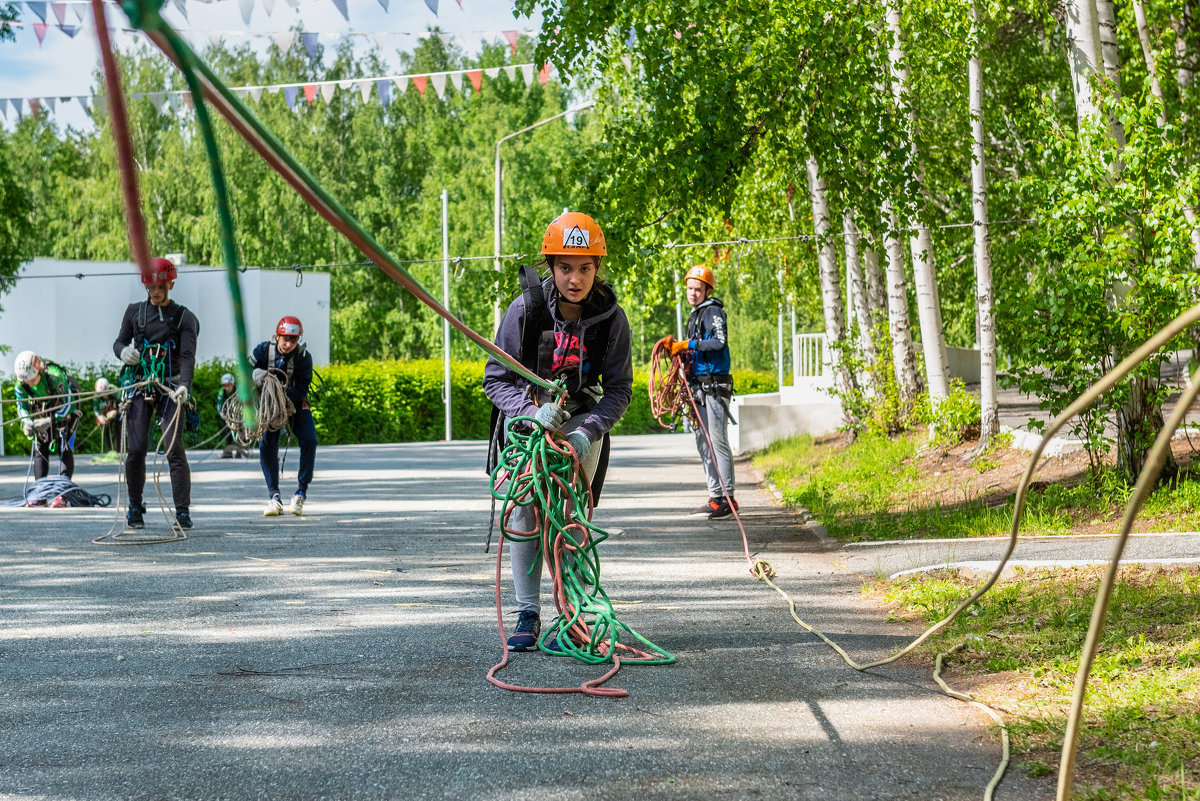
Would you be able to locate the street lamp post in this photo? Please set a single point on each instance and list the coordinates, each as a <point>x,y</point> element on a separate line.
<point>497,203</point>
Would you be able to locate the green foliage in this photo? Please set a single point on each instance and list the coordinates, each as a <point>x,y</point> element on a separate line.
<point>17,234</point>
<point>957,414</point>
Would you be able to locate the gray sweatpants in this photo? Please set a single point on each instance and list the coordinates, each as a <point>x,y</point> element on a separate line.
<point>714,420</point>
<point>526,568</point>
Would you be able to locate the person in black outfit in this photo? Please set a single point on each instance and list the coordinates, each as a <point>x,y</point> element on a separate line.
<point>157,339</point>
<point>287,359</point>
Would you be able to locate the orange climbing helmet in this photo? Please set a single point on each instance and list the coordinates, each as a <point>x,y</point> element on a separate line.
<point>289,326</point>
<point>162,271</point>
<point>574,233</point>
<point>701,272</point>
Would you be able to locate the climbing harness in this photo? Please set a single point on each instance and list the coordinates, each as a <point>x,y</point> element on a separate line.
<point>539,469</point>
<point>48,488</point>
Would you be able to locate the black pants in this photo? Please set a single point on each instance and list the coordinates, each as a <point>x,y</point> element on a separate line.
<point>62,431</point>
<point>137,433</point>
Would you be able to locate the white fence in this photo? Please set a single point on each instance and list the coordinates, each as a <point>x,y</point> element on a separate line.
<point>810,358</point>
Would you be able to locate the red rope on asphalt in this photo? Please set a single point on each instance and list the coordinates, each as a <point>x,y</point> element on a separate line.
<point>668,387</point>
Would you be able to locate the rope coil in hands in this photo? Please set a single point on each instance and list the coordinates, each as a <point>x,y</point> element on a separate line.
<point>539,469</point>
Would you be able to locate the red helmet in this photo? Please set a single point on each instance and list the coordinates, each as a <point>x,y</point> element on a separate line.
<point>162,271</point>
<point>289,326</point>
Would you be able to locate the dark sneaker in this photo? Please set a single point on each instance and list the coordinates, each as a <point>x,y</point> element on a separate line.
<point>707,509</point>
<point>133,518</point>
<point>553,646</point>
<point>525,635</point>
<point>724,509</point>
<point>184,520</point>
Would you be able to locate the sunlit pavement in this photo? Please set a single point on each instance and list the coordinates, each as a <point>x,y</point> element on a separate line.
<point>342,655</point>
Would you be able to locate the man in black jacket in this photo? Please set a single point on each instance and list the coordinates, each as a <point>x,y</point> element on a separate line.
<point>291,362</point>
<point>157,340</point>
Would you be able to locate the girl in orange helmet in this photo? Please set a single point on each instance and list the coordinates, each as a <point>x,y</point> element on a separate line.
<point>569,325</point>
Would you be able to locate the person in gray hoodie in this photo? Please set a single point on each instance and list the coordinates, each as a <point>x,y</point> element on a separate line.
<point>566,326</point>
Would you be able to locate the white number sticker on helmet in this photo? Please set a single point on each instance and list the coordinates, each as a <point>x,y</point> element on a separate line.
<point>575,237</point>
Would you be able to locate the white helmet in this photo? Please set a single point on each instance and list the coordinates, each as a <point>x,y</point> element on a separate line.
<point>27,366</point>
<point>102,385</point>
<point>227,378</point>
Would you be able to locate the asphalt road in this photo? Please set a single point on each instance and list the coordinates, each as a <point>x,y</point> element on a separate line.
<point>342,655</point>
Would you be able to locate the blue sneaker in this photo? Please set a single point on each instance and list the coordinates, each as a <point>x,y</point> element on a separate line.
<point>553,646</point>
<point>133,518</point>
<point>525,635</point>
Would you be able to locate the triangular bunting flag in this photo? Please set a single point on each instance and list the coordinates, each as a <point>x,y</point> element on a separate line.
<point>544,74</point>
<point>268,6</point>
<point>380,39</point>
<point>247,8</point>
<point>39,9</point>
<point>364,89</point>
<point>511,72</point>
<point>401,85</point>
<point>327,90</point>
<point>174,99</point>
<point>419,82</point>
<point>513,37</point>
<point>158,99</point>
<point>492,72</point>
<point>181,7</point>
<point>340,5</point>
<point>433,4</point>
<point>78,10</point>
<point>527,71</point>
<point>39,28</point>
<point>289,95</point>
<point>187,98</point>
<point>70,30</point>
<point>384,3</point>
<point>631,39</point>
<point>460,8</point>
<point>84,103</point>
<point>256,93</point>
<point>214,37</point>
<point>345,85</point>
<point>35,108</point>
<point>447,38</point>
<point>293,3</point>
<point>310,92</point>
<point>283,40</point>
<point>309,40</point>
<point>3,108</point>
<point>456,81</point>
<point>628,62</point>
<point>60,12</point>
<point>242,93</point>
<point>476,77</point>
<point>49,101</point>
<point>385,91</point>
<point>439,84</point>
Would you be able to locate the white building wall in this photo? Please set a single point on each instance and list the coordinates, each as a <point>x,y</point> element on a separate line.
<point>75,320</point>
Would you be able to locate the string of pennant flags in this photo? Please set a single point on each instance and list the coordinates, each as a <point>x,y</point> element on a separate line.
<point>384,88</point>
<point>38,7</point>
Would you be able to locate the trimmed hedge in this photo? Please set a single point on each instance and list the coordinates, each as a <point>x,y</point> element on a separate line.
<point>374,402</point>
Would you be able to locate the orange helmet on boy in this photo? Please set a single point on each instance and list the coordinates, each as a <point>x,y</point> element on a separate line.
<point>702,273</point>
<point>574,233</point>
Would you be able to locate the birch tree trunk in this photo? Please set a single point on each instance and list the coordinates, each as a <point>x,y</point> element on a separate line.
<point>831,291</point>
<point>929,310</point>
<point>854,270</point>
<point>1083,54</point>
<point>989,407</point>
<point>873,280</point>
<point>1106,22</point>
<point>1185,76</point>
<point>904,361</point>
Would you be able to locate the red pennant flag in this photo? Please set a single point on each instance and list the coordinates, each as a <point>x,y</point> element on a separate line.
<point>512,37</point>
<point>419,82</point>
<point>544,74</point>
<point>460,8</point>
<point>310,92</point>
<point>40,29</point>
<point>187,98</point>
<point>35,107</point>
<point>476,77</point>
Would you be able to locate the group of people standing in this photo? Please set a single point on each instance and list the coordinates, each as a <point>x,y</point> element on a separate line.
<point>156,345</point>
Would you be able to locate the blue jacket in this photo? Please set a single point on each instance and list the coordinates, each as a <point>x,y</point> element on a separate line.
<point>708,340</point>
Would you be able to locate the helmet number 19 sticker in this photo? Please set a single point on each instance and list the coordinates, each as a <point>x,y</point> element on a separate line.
<point>575,237</point>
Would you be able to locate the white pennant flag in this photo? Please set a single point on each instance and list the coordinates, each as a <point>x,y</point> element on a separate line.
<point>527,71</point>
<point>380,39</point>
<point>492,72</point>
<point>345,85</point>
<point>215,38</point>
<point>284,40</point>
<point>269,6</point>
<point>511,72</point>
<point>401,85</point>
<point>439,84</point>
<point>364,88</point>
<point>447,38</point>
<point>327,90</point>
<point>174,99</point>
<point>158,98</point>
<point>181,7</point>
<point>628,62</point>
<point>256,93</point>
<point>242,93</point>
<point>78,8</point>
<point>247,7</point>
<point>456,81</point>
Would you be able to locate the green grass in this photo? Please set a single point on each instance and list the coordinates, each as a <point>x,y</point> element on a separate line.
<point>872,490</point>
<point>1141,738</point>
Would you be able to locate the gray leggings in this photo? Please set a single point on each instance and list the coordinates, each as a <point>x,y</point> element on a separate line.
<point>526,568</point>
<point>714,420</point>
